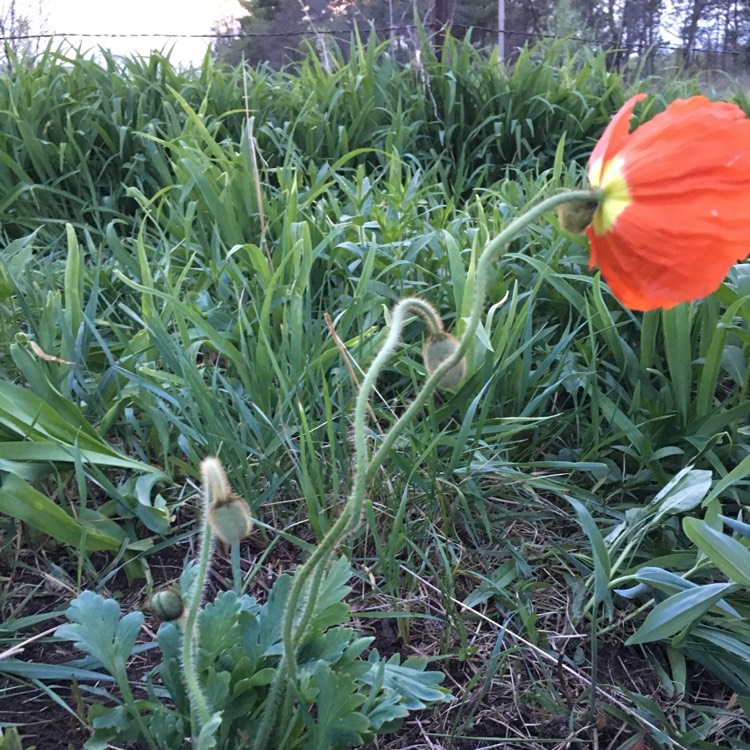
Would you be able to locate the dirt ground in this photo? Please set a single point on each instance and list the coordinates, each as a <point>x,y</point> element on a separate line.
<point>54,719</point>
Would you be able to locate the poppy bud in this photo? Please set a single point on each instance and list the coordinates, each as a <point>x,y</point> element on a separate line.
<point>230,519</point>
<point>167,604</point>
<point>575,216</point>
<point>437,349</point>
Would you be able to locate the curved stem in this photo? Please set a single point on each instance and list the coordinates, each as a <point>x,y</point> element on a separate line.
<point>309,608</point>
<point>287,664</point>
<point>349,518</point>
<point>352,511</point>
<point>629,616</point>
<point>481,279</point>
<point>427,312</point>
<point>361,468</point>
<point>365,467</point>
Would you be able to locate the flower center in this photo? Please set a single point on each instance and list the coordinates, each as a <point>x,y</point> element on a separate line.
<point>615,194</point>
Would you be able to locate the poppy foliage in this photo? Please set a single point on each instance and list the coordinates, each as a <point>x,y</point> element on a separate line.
<point>675,209</point>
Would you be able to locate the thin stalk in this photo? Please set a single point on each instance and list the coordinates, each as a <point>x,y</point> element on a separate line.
<point>352,510</point>
<point>190,633</point>
<point>427,312</point>
<point>348,518</point>
<point>129,699</point>
<point>312,599</point>
<point>288,658</point>
<point>236,568</point>
<point>594,669</point>
<point>629,616</point>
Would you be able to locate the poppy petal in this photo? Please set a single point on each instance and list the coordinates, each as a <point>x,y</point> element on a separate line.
<point>709,142</point>
<point>613,139</point>
<point>647,264</point>
<point>687,221</point>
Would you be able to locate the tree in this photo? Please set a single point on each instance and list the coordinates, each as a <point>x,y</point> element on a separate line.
<point>272,30</point>
<point>712,33</point>
<point>526,21</point>
<point>19,43</point>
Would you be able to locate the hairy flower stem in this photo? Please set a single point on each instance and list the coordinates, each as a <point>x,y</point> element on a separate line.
<point>365,467</point>
<point>482,276</point>
<point>431,318</point>
<point>288,659</point>
<point>190,633</point>
<point>348,519</point>
<point>312,599</point>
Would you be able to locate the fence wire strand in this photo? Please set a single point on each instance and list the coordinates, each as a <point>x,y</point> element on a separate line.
<point>389,31</point>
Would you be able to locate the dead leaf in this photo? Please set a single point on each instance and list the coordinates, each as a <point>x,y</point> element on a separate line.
<point>39,352</point>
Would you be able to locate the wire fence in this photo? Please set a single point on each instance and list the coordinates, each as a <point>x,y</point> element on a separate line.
<point>381,31</point>
<point>727,59</point>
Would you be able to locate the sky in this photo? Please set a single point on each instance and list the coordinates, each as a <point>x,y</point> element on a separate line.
<point>104,17</point>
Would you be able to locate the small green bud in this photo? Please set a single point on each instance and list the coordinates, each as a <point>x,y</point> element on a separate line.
<point>437,349</point>
<point>167,604</point>
<point>230,519</point>
<point>575,216</point>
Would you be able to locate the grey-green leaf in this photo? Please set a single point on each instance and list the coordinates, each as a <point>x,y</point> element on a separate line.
<point>96,628</point>
<point>684,492</point>
<point>207,737</point>
<point>671,583</point>
<point>679,612</point>
<point>730,556</point>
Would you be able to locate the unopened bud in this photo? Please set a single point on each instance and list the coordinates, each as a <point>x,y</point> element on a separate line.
<point>228,515</point>
<point>575,216</point>
<point>167,604</point>
<point>437,349</point>
<point>230,519</point>
<point>215,482</point>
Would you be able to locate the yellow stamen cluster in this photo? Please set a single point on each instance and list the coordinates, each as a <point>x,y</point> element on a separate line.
<point>610,179</point>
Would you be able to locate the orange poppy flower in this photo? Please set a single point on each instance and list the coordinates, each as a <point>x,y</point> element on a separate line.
<point>675,209</point>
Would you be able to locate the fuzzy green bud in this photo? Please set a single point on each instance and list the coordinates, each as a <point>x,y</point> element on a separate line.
<point>167,604</point>
<point>437,349</point>
<point>230,520</point>
<point>575,216</point>
<point>228,515</point>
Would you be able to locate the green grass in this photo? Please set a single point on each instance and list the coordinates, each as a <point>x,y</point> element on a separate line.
<point>174,249</point>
